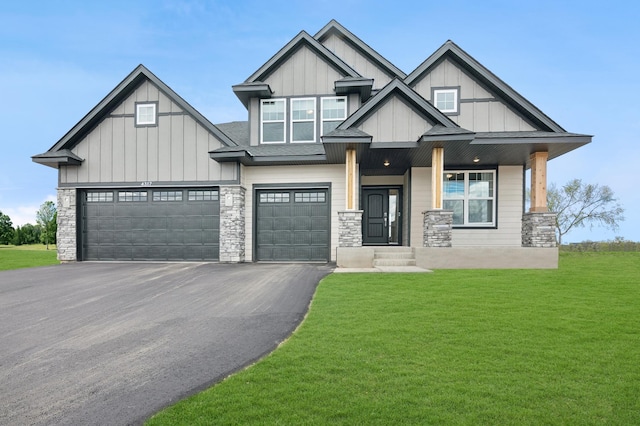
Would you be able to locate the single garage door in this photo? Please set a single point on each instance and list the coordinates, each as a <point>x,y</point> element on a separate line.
<point>150,224</point>
<point>292,225</point>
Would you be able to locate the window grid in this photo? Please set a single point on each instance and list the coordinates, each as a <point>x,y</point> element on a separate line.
<point>309,197</point>
<point>146,114</point>
<point>334,112</point>
<point>203,195</point>
<point>273,118</point>
<point>274,197</point>
<point>100,197</point>
<point>446,100</point>
<point>471,196</point>
<point>303,120</point>
<point>167,195</point>
<point>132,196</point>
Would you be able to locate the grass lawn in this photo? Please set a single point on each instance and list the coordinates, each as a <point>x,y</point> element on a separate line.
<point>27,256</point>
<point>453,347</point>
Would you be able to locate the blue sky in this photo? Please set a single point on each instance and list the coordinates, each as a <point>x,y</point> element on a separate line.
<point>578,61</point>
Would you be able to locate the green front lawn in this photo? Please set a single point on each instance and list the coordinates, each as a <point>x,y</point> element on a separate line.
<point>453,347</point>
<point>27,256</point>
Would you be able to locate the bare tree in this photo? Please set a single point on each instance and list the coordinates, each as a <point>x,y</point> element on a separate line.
<point>578,204</point>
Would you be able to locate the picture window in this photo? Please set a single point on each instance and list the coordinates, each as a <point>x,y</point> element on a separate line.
<point>471,196</point>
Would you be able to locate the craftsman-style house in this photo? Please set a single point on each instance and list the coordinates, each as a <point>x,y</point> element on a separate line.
<point>342,156</point>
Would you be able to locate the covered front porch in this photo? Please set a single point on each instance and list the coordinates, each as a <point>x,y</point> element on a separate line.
<point>402,197</point>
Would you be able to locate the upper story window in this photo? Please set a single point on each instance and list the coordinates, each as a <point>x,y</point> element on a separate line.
<point>147,114</point>
<point>272,120</point>
<point>471,196</point>
<point>334,112</point>
<point>303,120</point>
<point>446,100</point>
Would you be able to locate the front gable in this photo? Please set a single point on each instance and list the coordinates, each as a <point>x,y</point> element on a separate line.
<point>486,103</point>
<point>305,72</point>
<point>358,54</point>
<point>396,114</point>
<point>395,121</point>
<point>107,145</point>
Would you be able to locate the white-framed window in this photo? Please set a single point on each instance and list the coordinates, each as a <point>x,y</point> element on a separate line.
<point>146,114</point>
<point>471,196</point>
<point>303,120</point>
<point>446,100</point>
<point>272,120</point>
<point>334,112</point>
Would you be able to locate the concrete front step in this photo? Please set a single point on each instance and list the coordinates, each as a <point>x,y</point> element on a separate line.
<point>394,257</point>
<point>394,262</point>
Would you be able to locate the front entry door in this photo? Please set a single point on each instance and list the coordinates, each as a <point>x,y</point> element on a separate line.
<point>381,217</point>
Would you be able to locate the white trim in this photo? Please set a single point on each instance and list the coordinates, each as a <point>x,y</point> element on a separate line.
<point>153,121</point>
<point>437,92</point>
<point>467,197</point>
<point>283,121</point>
<point>304,120</point>
<point>323,119</point>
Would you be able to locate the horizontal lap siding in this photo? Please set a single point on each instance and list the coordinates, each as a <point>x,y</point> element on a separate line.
<point>509,210</point>
<point>288,176</point>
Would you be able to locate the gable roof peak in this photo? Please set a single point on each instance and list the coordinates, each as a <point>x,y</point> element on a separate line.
<point>334,27</point>
<point>452,51</point>
<point>303,38</point>
<point>397,86</point>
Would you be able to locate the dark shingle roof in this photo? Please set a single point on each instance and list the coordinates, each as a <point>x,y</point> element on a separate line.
<point>237,131</point>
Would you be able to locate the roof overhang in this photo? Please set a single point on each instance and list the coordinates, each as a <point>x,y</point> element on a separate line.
<point>58,158</point>
<point>246,91</point>
<point>359,85</point>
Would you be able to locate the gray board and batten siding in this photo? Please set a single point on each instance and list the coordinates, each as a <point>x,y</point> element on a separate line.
<point>176,150</point>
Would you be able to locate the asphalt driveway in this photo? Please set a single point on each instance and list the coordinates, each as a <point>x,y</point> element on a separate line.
<point>112,343</point>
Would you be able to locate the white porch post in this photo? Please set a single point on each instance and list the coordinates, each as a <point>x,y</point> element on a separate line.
<point>437,170</point>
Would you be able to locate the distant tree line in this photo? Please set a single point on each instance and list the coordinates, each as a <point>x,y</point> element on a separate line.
<point>44,231</point>
<point>617,244</point>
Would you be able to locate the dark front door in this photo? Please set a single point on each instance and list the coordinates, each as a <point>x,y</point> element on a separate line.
<point>381,218</point>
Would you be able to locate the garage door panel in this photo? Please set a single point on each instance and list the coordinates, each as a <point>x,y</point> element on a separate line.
<point>166,226</point>
<point>292,225</point>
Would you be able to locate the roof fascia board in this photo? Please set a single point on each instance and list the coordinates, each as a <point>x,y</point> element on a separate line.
<point>560,139</point>
<point>364,48</point>
<point>489,78</point>
<point>420,104</point>
<point>302,38</point>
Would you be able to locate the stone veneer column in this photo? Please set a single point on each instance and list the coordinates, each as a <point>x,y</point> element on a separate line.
<point>438,225</point>
<point>66,237</point>
<point>232,222</point>
<point>350,228</point>
<point>539,229</point>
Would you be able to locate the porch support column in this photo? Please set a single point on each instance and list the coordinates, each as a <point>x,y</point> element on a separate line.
<point>437,223</point>
<point>538,225</point>
<point>437,170</point>
<point>350,219</point>
<point>539,182</point>
<point>350,163</point>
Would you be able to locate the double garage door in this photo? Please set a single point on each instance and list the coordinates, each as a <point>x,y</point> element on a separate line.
<point>150,224</point>
<point>292,224</point>
<point>183,224</point>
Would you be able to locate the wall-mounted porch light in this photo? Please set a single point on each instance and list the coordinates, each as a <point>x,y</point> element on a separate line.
<point>476,159</point>
<point>386,163</point>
